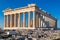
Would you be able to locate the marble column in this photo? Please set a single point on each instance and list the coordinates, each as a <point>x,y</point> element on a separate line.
<point>24,21</point>
<point>39,22</point>
<point>29,19</point>
<point>18,20</point>
<point>43,17</point>
<point>14,20</point>
<point>8,20</point>
<point>43,24</point>
<point>34,16</point>
<point>5,20</point>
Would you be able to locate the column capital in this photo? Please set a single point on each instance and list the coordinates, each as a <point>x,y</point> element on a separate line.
<point>36,12</point>
<point>24,12</point>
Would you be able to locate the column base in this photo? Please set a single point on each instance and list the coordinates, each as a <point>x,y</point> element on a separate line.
<point>17,28</point>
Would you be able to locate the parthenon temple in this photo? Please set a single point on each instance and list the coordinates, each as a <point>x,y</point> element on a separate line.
<point>28,17</point>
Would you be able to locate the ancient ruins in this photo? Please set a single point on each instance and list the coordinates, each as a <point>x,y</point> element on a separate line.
<point>28,17</point>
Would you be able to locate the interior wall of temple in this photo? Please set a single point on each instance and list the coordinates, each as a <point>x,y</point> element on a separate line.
<point>51,22</point>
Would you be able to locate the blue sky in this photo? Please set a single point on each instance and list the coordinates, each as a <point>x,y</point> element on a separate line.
<point>51,6</point>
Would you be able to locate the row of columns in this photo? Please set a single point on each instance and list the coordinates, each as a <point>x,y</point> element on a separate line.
<point>39,20</point>
<point>11,20</point>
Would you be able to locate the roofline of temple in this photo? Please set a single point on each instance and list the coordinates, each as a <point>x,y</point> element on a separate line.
<point>10,9</point>
<point>30,5</point>
<point>48,14</point>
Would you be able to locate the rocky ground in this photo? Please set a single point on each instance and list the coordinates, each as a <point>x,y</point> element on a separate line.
<point>41,35</point>
<point>36,34</point>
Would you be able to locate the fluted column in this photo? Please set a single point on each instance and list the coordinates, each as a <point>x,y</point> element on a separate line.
<point>18,20</point>
<point>8,20</point>
<point>43,24</point>
<point>39,22</point>
<point>43,17</point>
<point>34,16</point>
<point>24,21</point>
<point>14,20</point>
<point>5,21</point>
<point>29,19</point>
